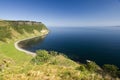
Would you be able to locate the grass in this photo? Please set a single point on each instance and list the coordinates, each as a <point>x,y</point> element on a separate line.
<point>10,51</point>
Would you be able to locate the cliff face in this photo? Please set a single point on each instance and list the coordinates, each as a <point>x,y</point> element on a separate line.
<point>10,29</point>
<point>25,22</point>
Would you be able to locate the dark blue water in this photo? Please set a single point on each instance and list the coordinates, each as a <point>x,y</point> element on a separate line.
<point>99,44</point>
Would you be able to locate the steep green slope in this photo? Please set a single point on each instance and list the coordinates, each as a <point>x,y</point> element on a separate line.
<point>8,28</point>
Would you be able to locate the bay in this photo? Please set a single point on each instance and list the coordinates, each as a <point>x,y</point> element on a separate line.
<point>99,44</point>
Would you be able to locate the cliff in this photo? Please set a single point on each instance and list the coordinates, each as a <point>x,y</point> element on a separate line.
<point>20,22</point>
<point>12,29</point>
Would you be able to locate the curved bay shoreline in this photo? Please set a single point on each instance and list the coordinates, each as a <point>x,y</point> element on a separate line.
<point>43,33</point>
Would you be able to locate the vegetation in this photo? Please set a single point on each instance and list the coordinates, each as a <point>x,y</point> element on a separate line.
<point>4,33</point>
<point>42,57</point>
<point>47,65</point>
<point>92,66</point>
<point>26,27</point>
<point>112,70</point>
<point>7,28</point>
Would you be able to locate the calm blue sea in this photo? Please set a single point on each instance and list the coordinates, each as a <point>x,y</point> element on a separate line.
<point>99,44</point>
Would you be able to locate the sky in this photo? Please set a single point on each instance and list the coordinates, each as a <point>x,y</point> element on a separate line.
<point>63,12</point>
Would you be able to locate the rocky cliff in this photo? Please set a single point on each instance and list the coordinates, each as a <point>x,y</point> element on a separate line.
<point>12,29</point>
<point>20,22</point>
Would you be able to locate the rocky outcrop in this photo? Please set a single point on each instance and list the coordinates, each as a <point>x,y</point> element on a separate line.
<point>20,22</point>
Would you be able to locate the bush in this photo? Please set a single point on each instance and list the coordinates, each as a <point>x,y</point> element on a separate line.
<point>69,75</point>
<point>81,68</point>
<point>53,53</point>
<point>111,69</point>
<point>92,66</point>
<point>41,57</point>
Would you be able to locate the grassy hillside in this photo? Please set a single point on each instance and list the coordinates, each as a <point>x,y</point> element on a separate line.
<point>12,29</point>
<point>47,65</point>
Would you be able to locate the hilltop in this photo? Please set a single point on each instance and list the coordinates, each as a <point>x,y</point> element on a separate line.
<point>47,65</point>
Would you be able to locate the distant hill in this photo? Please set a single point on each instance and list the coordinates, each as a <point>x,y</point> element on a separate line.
<point>10,29</point>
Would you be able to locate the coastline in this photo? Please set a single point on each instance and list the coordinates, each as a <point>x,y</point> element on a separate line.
<point>16,44</point>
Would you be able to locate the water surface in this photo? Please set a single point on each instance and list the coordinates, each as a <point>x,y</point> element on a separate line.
<point>99,44</point>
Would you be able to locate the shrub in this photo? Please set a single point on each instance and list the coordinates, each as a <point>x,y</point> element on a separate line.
<point>69,75</point>
<point>111,69</point>
<point>92,66</point>
<point>53,53</point>
<point>81,68</point>
<point>41,57</point>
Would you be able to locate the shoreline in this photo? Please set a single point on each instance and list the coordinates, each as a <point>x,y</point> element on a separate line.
<point>16,44</point>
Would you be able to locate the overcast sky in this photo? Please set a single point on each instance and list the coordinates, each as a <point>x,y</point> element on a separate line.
<point>63,12</point>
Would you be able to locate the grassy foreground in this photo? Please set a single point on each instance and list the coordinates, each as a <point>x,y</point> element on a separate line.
<point>47,65</point>
<point>16,65</point>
